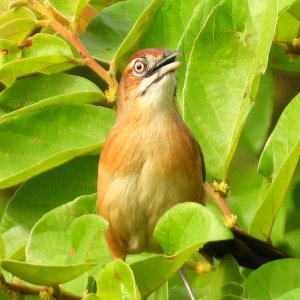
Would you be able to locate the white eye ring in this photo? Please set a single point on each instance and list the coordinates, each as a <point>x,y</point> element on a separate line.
<point>139,67</point>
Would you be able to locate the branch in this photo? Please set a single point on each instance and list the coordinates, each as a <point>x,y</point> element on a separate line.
<point>218,197</point>
<point>73,38</point>
<point>56,292</point>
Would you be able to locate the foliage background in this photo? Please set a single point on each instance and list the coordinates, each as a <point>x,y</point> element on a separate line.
<point>55,114</point>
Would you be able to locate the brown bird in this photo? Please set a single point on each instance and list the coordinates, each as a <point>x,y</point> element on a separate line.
<point>151,161</point>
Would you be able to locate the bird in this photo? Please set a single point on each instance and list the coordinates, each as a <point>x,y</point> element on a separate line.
<point>151,161</point>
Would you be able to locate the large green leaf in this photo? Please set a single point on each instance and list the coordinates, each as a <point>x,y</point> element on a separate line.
<point>49,136</point>
<point>218,92</point>
<point>68,235</point>
<point>41,53</point>
<point>118,28</point>
<point>225,44</point>
<point>117,282</point>
<point>187,224</point>
<point>55,187</point>
<point>57,239</point>
<point>181,231</point>
<point>273,279</point>
<point>277,163</point>
<point>44,274</point>
<point>176,26</point>
<point>29,93</point>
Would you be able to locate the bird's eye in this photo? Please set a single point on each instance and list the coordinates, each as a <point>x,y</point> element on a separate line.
<point>139,67</point>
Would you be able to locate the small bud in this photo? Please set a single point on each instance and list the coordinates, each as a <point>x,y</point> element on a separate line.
<point>110,94</point>
<point>202,267</point>
<point>230,221</point>
<point>221,187</point>
<point>46,294</point>
<point>296,43</point>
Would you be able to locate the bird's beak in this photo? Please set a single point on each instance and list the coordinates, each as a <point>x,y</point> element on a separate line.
<point>166,65</point>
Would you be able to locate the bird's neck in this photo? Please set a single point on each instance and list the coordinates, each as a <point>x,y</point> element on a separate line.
<point>158,100</point>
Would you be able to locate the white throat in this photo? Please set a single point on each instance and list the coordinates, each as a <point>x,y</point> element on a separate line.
<point>159,95</point>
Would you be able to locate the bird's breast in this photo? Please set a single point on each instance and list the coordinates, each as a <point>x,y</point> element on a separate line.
<point>145,168</point>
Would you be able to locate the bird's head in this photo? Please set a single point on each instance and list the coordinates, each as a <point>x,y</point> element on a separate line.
<point>149,80</point>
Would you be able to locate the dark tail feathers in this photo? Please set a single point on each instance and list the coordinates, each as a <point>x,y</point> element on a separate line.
<point>248,251</point>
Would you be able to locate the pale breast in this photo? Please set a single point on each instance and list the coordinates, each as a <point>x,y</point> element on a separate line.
<point>144,170</point>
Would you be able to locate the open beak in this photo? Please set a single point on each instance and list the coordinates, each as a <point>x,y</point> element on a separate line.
<point>166,65</point>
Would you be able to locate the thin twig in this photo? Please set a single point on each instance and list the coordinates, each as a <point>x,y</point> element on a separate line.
<point>73,38</point>
<point>219,200</point>
<point>30,290</point>
<point>186,284</point>
<point>221,203</point>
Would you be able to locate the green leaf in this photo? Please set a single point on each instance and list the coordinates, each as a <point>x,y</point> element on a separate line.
<point>33,92</point>
<point>291,295</point>
<point>84,231</point>
<point>162,293</point>
<point>44,274</point>
<point>117,282</point>
<point>54,240</point>
<point>134,36</point>
<point>15,14</point>
<point>42,53</point>
<point>227,280</point>
<point>111,26</point>
<point>218,39</point>
<point>55,187</point>
<point>46,44</point>
<point>49,136</point>
<point>273,279</point>
<point>277,163</point>
<point>294,9</point>
<point>181,231</point>
<point>215,100</point>
<point>17,24</point>
<point>4,5</point>
<point>69,9</point>
<point>177,24</point>
<point>152,270</point>
<point>287,27</point>
<point>254,133</point>
<point>284,4</point>
<point>17,30</point>
<point>188,224</point>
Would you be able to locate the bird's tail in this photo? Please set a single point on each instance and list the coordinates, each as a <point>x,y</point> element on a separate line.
<point>248,251</point>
